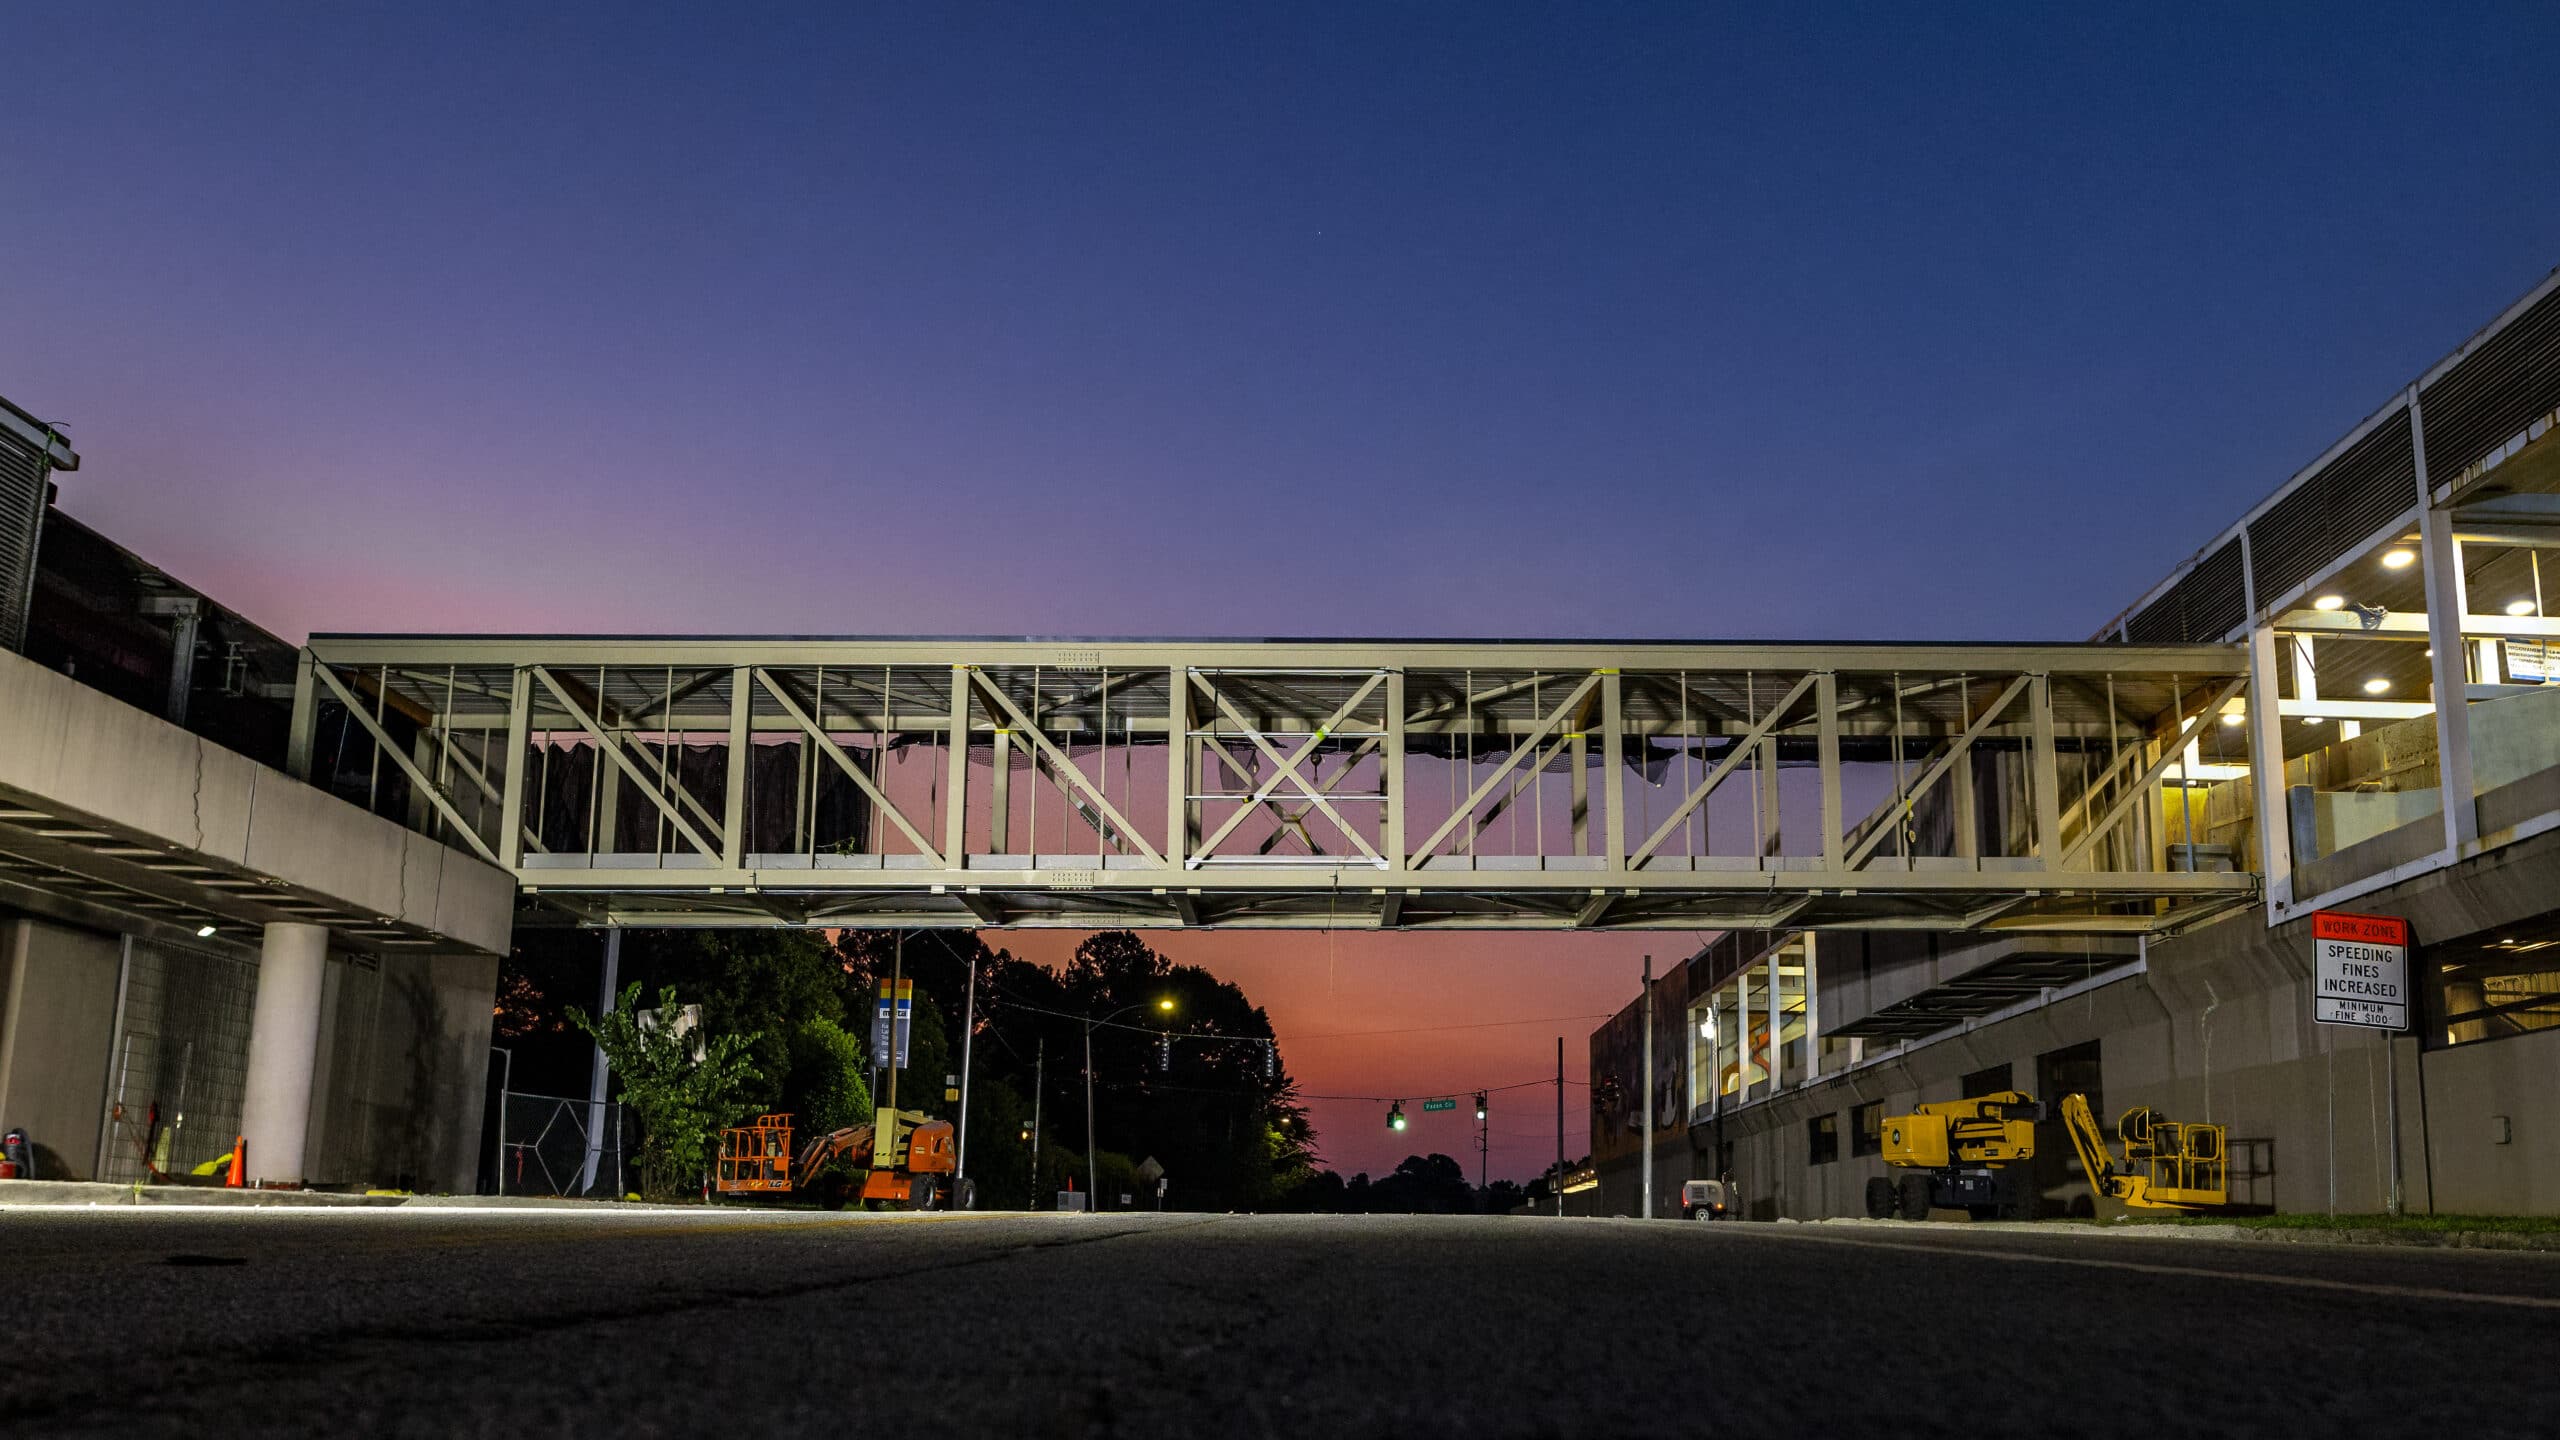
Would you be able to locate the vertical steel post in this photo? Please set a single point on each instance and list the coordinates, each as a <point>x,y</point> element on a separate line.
<point>1777,1029</point>
<point>1177,769</point>
<point>2045,779</point>
<point>1578,761</point>
<point>968,1039</point>
<point>1391,776</point>
<point>1000,794</point>
<point>1644,1153</point>
<point>2391,1088</point>
<point>2448,601</point>
<point>1812,1015</point>
<point>511,823</point>
<point>306,709</point>
<point>2266,769</point>
<point>108,1097</point>
<point>955,822</point>
<point>733,810</point>
<point>1039,1088</point>
<point>1826,702</point>
<point>1559,1127</point>
<point>498,1138</point>
<point>598,1068</point>
<point>1613,778</point>
<point>1765,778</point>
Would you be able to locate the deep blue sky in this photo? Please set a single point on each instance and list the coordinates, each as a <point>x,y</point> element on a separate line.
<point>1361,319</point>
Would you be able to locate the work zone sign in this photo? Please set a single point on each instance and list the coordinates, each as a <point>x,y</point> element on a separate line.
<point>2360,970</point>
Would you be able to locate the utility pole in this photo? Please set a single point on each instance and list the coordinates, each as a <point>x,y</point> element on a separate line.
<point>1089,1205</point>
<point>1644,1152</point>
<point>1039,1068</point>
<point>1559,1127</point>
<point>897,972</point>
<point>968,1038</point>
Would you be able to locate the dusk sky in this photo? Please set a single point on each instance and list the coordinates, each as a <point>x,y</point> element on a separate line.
<point>1363,319</point>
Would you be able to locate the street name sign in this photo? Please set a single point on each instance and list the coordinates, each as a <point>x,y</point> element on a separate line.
<point>2360,970</point>
<point>1450,1104</point>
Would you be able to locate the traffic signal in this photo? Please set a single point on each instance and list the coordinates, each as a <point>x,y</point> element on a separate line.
<point>1395,1116</point>
<point>1164,1053</point>
<point>1479,1105</point>
<point>1026,1132</point>
<point>1270,1058</point>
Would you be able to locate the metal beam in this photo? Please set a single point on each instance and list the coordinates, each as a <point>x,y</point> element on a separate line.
<point>418,781</point>
<point>825,745</point>
<point>1062,771</point>
<point>1899,810</point>
<point>606,746</point>
<point>1732,761</point>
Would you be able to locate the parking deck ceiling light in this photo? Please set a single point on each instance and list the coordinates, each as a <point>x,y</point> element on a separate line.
<point>2520,606</point>
<point>2399,559</point>
<point>2377,686</point>
<point>2329,602</point>
<point>2315,719</point>
<point>204,932</point>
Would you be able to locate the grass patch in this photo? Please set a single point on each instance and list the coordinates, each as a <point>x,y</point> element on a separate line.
<point>2401,1225</point>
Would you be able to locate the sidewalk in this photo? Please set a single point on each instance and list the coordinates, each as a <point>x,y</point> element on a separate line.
<point>35,1194</point>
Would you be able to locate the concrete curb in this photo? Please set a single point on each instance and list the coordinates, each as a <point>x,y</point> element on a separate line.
<point>84,1194</point>
<point>56,1194</point>
<point>2509,1240</point>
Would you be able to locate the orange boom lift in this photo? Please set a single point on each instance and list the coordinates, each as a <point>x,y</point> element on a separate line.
<point>913,1162</point>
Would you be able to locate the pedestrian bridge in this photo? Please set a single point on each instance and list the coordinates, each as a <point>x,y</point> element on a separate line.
<point>717,781</point>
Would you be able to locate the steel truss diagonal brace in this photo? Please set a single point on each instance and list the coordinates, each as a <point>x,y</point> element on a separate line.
<point>607,745</point>
<point>1893,818</point>
<point>1288,767</point>
<point>1527,745</point>
<point>827,746</point>
<point>658,773</point>
<point>480,781</point>
<point>1733,758</point>
<point>2169,755</point>
<point>399,756</point>
<point>1063,771</point>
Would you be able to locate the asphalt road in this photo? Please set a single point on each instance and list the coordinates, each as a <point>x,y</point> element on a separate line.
<point>416,1321</point>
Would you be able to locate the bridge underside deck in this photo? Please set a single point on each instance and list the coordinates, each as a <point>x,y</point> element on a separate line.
<point>1488,900</point>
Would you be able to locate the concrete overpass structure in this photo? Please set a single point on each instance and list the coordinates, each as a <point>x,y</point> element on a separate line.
<point>187,931</point>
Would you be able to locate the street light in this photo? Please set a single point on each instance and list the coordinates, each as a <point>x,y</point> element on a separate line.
<point>1092,1180</point>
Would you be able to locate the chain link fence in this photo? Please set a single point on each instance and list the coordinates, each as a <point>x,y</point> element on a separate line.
<point>550,1145</point>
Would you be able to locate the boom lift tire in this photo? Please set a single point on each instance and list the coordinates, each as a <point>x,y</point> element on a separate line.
<point>1915,1197</point>
<point>1881,1200</point>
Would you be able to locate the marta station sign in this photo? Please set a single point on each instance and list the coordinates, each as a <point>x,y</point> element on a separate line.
<point>2360,970</point>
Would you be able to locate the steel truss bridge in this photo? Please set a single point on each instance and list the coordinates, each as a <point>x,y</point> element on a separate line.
<point>701,781</point>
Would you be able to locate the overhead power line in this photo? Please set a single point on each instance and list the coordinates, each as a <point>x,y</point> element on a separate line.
<point>1424,1029</point>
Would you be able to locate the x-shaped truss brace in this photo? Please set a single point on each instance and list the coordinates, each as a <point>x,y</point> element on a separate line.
<point>1287,773</point>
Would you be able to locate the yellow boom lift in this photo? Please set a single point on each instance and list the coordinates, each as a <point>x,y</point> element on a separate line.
<point>911,1153</point>
<point>1961,1154</point>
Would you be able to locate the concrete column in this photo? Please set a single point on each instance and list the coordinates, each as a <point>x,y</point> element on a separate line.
<point>284,1044</point>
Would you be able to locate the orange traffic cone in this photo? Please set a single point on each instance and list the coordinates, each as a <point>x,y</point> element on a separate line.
<point>239,1163</point>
